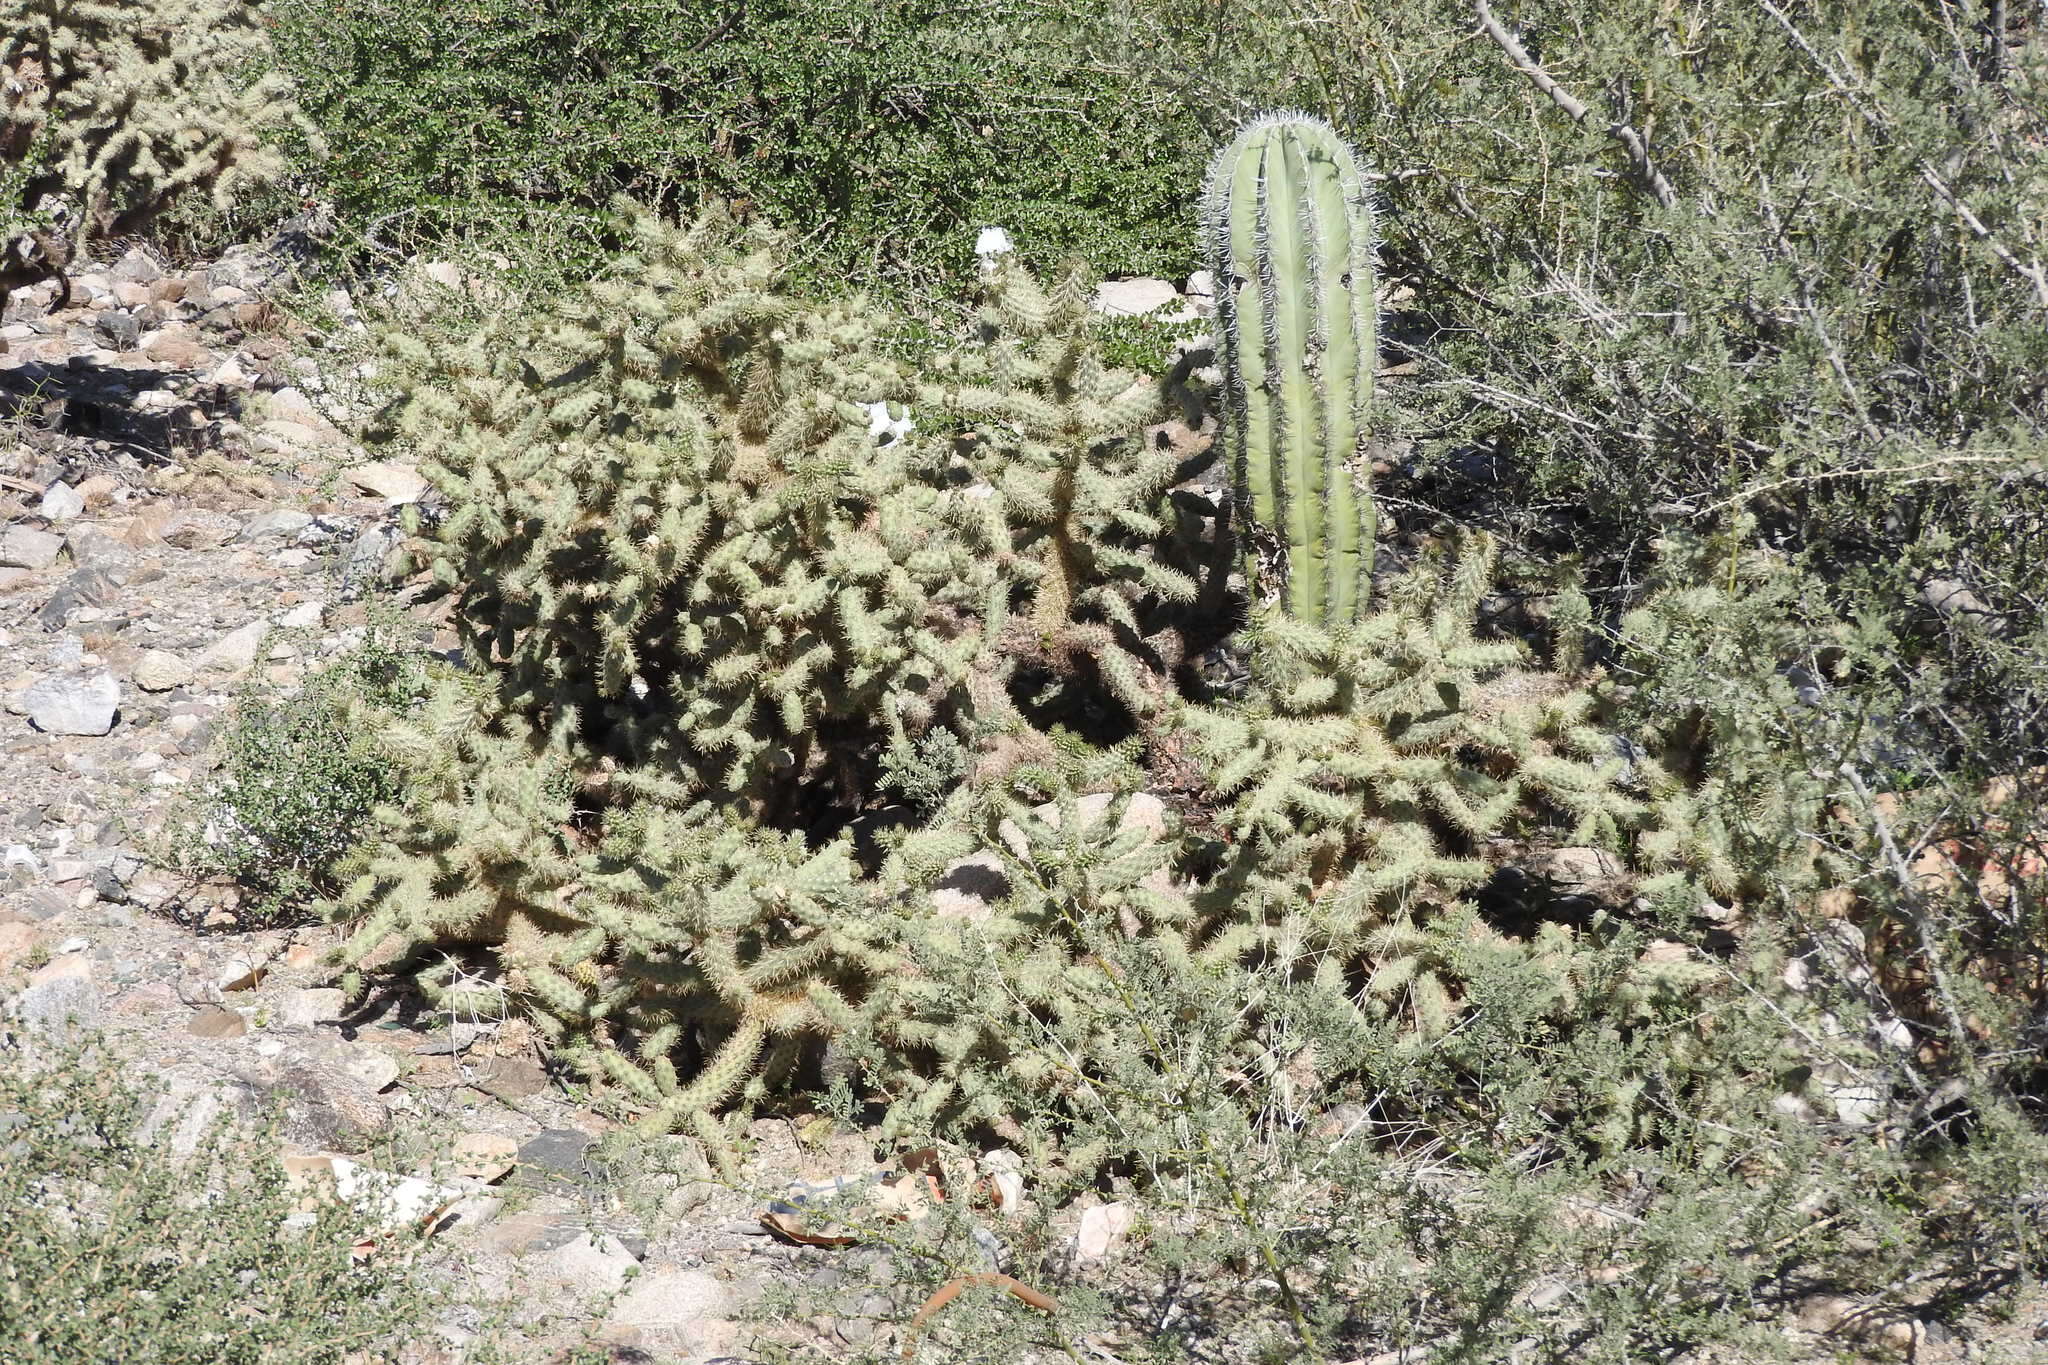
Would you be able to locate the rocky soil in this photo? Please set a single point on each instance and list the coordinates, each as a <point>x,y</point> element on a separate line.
<point>181,517</point>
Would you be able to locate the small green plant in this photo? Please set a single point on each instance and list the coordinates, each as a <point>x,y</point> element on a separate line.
<point>138,1231</point>
<point>298,775</point>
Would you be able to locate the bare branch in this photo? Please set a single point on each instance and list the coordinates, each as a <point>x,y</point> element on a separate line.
<point>1638,149</point>
<point>2031,271</point>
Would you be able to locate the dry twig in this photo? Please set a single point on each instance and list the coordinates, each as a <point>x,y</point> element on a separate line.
<point>1633,142</point>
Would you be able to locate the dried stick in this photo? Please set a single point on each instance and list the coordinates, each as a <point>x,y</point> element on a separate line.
<point>1637,147</point>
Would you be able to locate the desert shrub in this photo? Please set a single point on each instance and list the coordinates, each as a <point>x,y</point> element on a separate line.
<point>878,135</point>
<point>121,1247</point>
<point>298,774</point>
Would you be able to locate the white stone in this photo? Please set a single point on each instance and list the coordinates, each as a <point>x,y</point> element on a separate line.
<point>672,1299</point>
<point>61,502</point>
<point>24,548</point>
<point>159,670</point>
<point>591,1268</point>
<point>236,651</point>
<point>396,483</point>
<point>887,430</point>
<point>73,706</point>
<point>1134,297</point>
<point>61,1001</point>
<point>1102,1230</point>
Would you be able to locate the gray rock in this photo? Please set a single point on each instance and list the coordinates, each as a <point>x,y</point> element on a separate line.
<point>92,548</point>
<point>82,589</point>
<point>236,651</point>
<point>24,548</point>
<point>559,1150</point>
<point>196,530</point>
<point>73,706</point>
<point>137,267</point>
<point>281,521</point>
<point>159,670</point>
<point>311,1006</point>
<point>61,1003</point>
<point>1133,298</point>
<point>61,502</point>
<point>365,567</point>
<point>119,329</point>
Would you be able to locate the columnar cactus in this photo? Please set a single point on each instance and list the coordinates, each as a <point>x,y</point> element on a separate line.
<point>1290,235</point>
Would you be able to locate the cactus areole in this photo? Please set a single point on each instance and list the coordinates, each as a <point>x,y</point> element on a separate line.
<point>1289,224</point>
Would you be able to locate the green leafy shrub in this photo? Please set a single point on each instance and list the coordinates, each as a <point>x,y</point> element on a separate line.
<point>119,1247</point>
<point>297,777</point>
<point>879,135</point>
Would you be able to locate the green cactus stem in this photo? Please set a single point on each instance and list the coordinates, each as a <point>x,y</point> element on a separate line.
<point>1289,225</point>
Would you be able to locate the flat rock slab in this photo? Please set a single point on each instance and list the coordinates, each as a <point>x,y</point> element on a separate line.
<point>73,706</point>
<point>23,547</point>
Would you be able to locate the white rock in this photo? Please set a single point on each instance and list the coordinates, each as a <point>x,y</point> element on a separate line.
<point>61,502</point>
<point>672,1299</point>
<point>292,405</point>
<point>310,1006</point>
<point>61,1001</point>
<point>396,483</point>
<point>1202,285</point>
<point>305,616</point>
<point>236,651</point>
<point>591,1268</point>
<point>1102,1230</point>
<point>24,548</point>
<point>73,706</point>
<point>886,429</point>
<point>231,375</point>
<point>1134,297</point>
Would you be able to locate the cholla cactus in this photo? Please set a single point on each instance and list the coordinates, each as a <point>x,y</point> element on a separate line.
<point>121,106</point>
<point>678,543</point>
<point>1373,765</point>
<point>684,957</point>
<point>725,586</point>
<point>1066,497</point>
<point>1290,237</point>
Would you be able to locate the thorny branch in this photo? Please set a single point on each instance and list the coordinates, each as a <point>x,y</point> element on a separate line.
<point>1637,147</point>
<point>2031,271</point>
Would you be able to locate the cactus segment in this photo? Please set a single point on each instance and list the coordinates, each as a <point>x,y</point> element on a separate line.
<point>1288,219</point>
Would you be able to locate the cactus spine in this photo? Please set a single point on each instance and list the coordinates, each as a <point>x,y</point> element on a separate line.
<point>1290,234</point>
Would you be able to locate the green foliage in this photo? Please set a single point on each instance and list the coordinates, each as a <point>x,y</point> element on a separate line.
<point>118,1247</point>
<point>117,107</point>
<point>880,135</point>
<point>1289,231</point>
<point>297,776</point>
